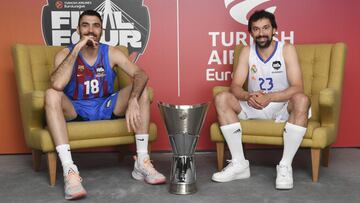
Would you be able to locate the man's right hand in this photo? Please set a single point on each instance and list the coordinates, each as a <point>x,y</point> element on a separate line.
<point>87,40</point>
<point>132,115</point>
<point>252,99</point>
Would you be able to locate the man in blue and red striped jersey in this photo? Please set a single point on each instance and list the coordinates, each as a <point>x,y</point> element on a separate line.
<point>82,88</point>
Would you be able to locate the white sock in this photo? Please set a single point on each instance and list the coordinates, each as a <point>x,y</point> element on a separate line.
<point>142,146</point>
<point>65,158</point>
<point>233,134</point>
<point>293,136</point>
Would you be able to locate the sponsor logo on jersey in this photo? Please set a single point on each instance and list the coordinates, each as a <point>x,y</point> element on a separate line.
<point>100,71</point>
<point>276,65</point>
<point>81,68</point>
<point>80,71</point>
<point>253,69</point>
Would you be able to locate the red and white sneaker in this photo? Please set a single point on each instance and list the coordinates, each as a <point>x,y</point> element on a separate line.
<point>72,186</point>
<point>146,171</point>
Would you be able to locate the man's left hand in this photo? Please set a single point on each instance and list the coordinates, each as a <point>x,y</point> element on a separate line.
<point>263,100</point>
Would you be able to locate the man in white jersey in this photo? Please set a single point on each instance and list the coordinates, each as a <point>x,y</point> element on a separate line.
<point>275,91</point>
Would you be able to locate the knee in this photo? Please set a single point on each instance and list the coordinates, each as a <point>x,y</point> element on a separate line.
<point>301,102</point>
<point>221,100</point>
<point>52,98</point>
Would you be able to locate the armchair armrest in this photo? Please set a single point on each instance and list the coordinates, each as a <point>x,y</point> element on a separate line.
<point>328,107</point>
<point>327,97</point>
<point>218,89</point>
<point>33,111</point>
<point>37,100</point>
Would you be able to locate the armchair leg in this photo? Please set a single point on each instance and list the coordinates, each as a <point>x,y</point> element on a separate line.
<point>36,159</point>
<point>315,160</point>
<point>220,155</point>
<point>51,158</point>
<point>123,150</point>
<point>326,156</point>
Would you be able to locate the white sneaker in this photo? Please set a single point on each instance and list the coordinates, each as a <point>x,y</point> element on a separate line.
<point>146,171</point>
<point>233,171</point>
<point>284,177</point>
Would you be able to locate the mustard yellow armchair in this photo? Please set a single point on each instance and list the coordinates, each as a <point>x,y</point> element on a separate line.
<point>322,69</point>
<point>33,66</point>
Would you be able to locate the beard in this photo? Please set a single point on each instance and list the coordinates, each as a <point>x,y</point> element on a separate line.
<point>263,44</point>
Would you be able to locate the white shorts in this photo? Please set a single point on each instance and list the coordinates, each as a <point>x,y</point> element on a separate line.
<point>275,111</point>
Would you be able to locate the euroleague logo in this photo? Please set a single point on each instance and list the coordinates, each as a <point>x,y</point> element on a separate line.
<point>239,10</point>
<point>59,4</point>
<point>125,22</point>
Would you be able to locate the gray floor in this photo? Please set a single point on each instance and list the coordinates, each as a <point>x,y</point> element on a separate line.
<point>108,180</point>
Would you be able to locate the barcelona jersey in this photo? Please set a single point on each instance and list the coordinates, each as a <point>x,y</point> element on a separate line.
<point>91,87</point>
<point>91,81</point>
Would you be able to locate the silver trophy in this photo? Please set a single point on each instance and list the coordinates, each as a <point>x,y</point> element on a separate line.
<point>183,124</point>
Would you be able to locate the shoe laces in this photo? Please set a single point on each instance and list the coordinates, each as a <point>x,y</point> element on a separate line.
<point>147,166</point>
<point>283,170</point>
<point>229,165</point>
<point>73,177</point>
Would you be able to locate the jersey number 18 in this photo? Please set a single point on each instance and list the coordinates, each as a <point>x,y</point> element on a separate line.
<point>91,86</point>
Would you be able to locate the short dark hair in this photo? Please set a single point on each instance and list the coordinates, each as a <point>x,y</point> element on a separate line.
<point>257,15</point>
<point>89,13</point>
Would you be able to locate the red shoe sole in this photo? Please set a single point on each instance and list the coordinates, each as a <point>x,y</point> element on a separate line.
<point>156,182</point>
<point>77,196</point>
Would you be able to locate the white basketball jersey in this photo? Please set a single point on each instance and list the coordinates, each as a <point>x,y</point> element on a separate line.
<point>270,75</point>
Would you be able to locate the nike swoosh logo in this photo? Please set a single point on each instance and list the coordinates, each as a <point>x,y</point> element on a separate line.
<point>141,139</point>
<point>237,131</point>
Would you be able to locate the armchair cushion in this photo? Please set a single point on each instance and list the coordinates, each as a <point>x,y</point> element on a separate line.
<point>268,129</point>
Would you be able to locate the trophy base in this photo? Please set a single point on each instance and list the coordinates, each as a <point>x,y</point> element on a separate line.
<point>182,189</point>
